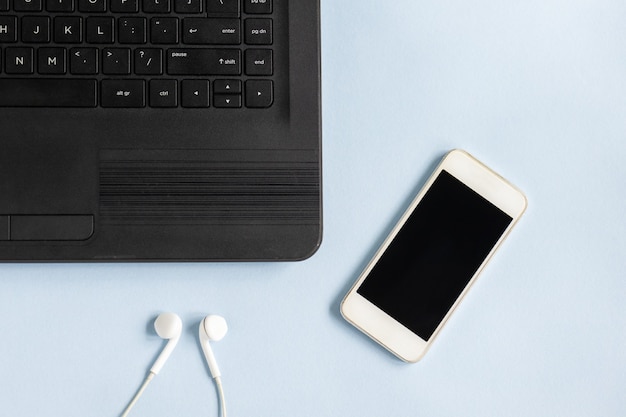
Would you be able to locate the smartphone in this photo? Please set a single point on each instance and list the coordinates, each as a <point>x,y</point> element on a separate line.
<point>432,256</point>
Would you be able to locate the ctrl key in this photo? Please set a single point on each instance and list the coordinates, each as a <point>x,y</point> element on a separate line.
<point>123,93</point>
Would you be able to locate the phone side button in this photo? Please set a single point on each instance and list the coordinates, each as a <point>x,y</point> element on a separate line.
<point>65,227</point>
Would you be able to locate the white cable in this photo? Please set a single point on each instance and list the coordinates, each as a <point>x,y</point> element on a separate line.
<point>220,390</point>
<point>138,394</point>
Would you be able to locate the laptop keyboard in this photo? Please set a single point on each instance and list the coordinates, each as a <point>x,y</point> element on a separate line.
<point>136,53</point>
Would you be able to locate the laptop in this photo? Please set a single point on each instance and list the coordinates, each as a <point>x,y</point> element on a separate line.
<point>159,130</point>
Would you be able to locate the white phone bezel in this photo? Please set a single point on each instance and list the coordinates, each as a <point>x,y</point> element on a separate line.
<point>383,328</point>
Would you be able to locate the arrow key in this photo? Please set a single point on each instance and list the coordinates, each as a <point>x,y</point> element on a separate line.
<point>227,100</point>
<point>227,86</point>
<point>259,93</point>
<point>195,93</point>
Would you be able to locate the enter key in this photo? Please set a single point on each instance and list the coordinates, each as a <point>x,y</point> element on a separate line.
<point>202,31</point>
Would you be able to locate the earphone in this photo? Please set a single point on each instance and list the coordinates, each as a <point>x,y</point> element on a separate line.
<point>213,328</point>
<point>169,326</point>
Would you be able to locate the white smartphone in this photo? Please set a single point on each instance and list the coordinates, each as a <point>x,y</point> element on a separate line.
<point>433,255</point>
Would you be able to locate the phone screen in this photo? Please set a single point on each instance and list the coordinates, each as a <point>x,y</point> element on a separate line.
<point>434,255</point>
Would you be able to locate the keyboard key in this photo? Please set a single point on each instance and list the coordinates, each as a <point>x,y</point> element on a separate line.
<point>59,6</point>
<point>204,61</point>
<point>116,61</point>
<point>257,6</point>
<point>92,6</point>
<point>123,93</point>
<point>4,7</point>
<point>259,93</point>
<point>8,32</point>
<point>124,6</point>
<point>188,6</point>
<point>259,62</point>
<point>51,61</point>
<point>259,32</point>
<point>156,6</point>
<point>47,92</point>
<point>211,31</point>
<point>164,30</point>
<point>18,61</point>
<point>163,93</point>
<point>84,61</point>
<point>148,61</point>
<point>227,86</point>
<point>195,93</point>
<point>99,30</point>
<point>27,5</point>
<point>36,29</point>
<point>68,29</point>
<point>131,30</point>
<point>222,8</point>
<point>227,101</point>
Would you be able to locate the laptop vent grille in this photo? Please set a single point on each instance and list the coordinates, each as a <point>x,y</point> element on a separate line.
<point>197,192</point>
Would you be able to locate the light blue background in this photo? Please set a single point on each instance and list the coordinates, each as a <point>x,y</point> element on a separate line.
<point>536,89</point>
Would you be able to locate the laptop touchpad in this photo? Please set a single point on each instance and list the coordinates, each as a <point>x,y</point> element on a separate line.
<point>47,178</point>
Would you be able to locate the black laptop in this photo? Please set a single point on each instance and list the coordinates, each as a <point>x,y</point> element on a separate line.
<point>159,130</point>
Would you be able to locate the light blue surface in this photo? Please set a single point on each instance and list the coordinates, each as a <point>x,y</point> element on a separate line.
<point>535,89</point>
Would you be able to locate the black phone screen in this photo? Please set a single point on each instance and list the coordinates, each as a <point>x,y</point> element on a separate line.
<point>434,255</point>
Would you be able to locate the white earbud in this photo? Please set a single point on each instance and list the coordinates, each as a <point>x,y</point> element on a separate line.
<point>167,326</point>
<point>212,328</point>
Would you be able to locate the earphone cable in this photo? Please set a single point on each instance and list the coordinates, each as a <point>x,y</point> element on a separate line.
<point>218,382</point>
<point>138,394</point>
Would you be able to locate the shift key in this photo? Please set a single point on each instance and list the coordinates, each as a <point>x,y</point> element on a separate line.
<point>204,61</point>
